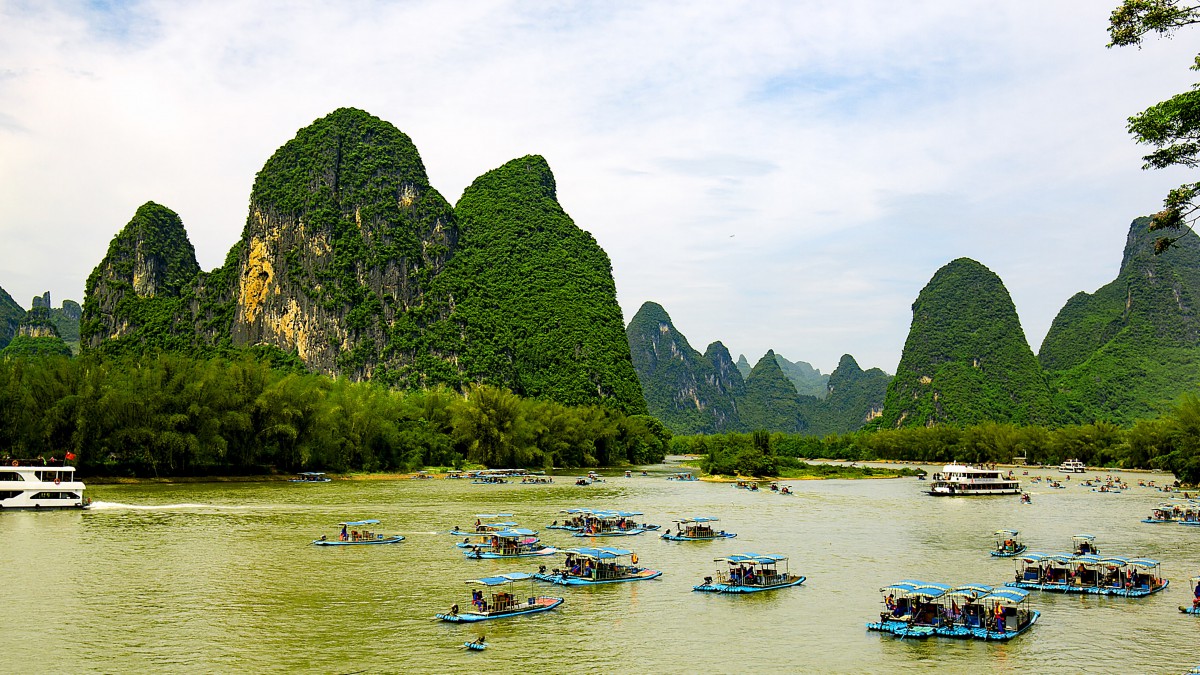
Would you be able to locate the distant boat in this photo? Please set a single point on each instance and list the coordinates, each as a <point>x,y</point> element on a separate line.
<point>32,484</point>
<point>1007,544</point>
<point>512,543</point>
<point>958,480</point>
<point>310,477</point>
<point>590,566</point>
<point>696,529</point>
<point>1072,466</point>
<point>357,537</point>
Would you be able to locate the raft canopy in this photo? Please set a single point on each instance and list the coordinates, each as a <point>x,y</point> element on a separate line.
<point>493,515</point>
<point>1006,596</point>
<point>971,591</point>
<point>1144,562</point>
<point>500,579</point>
<point>514,532</point>
<point>598,553</point>
<point>698,519</point>
<point>1084,537</point>
<point>356,523</point>
<point>752,558</point>
<point>1007,533</point>
<point>906,586</point>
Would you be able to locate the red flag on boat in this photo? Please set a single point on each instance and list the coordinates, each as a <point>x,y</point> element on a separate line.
<point>70,455</point>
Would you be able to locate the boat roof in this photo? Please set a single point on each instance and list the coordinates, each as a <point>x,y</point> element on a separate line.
<point>1006,596</point>
<point>500,579</point>
<point>493,515</point>
<point>506,524</point>
<point>352,523</point>
<point>576,511</point>
<point>1086,537</point>
<point>971,590</point>
<point>514,532</point>
<point>1006,532</point>
<point>752,559</point>
<point>698,519</point>
<point>903,586</point>
<point>598,553</point>
<point>1144,562</point>
<point>609,515</point>
<point>311,473</point>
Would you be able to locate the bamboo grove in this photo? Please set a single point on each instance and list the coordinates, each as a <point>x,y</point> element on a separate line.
<point>172,416</point>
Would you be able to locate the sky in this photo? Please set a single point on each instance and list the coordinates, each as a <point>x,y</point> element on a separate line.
<point>777,175</point>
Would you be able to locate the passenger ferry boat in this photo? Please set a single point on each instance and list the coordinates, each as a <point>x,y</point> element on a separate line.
<point>31,484</point>
<point>588,566</point>
<point>1089,573</point>
<point>750,573</point>
<point>963,480</point>
<point>696,529</point>
<point>916,609</point>
<point>514,543</point>
<point>358,537</point>
<point>1072,466</point>
<point>498,599</point>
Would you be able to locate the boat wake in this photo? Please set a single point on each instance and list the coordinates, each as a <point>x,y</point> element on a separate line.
<point>116,506</point>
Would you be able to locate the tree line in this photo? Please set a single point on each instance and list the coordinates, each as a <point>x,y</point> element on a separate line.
<point>170,415</point>
<point>1170,443</point>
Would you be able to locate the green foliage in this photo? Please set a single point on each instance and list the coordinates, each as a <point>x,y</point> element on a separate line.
<point>1172,127</point>
<point>808,380</point>
<point>170,415</point>
<point>770,401</point>
<point>854,396</point>
<point>690,392</point>
<point>534,298</point>
<point>966,359</point>
<point>11,314</point>
<point>35,346</point>
<point>1130,349</point>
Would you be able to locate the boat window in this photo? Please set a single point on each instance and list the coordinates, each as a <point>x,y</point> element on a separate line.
<point>8,494</point>
<point>11,475</point>
<point>56,495</point>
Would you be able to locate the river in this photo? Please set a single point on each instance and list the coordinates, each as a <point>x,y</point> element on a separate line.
<point>221,577</point>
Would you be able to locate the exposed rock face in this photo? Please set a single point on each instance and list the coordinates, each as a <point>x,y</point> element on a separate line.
<point>11,314</point>
<point>688,392</point>
<point>771,402</point>
<point>38,322</point>
<point>42,300</point>
<point>136,288</point>
<point>343,238</point>
<point>966,359</point>
<point>1131,348</point>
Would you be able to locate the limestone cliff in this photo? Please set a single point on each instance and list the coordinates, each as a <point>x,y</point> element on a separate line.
<point>11,314</point>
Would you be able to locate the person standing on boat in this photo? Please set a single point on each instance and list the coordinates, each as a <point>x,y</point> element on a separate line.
<point>344,535</point>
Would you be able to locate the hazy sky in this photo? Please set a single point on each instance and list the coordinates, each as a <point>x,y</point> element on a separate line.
<point>777,175</point>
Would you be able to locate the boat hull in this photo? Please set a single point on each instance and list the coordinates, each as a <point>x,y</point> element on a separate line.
<point>679,537</point>
<point>565,580</point>
<point>489,555</point>
<point>974,493</point>
<point>540,604</point>
<point>1010,554</point>
<point>1190,610</point>
<point>475,646</point>
<point>902,629</point>
<point>611,533</point>
<point>1091,590</point>
<point>739,589</point>
<point>333,542</point>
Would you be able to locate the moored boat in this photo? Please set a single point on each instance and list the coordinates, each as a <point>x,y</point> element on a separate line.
<point>959,480</point>
<point>1165,512</point>
<point>357,537</point>
<point>1007,544</point>
<point>512,543</point>
<point>37,484</point>
<point>310,477</point>
<point>696,529</point>
<point>498,599</point>
<point>750,573</point>
<point>589,566</point>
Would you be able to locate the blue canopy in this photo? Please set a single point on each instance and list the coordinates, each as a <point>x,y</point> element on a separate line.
<point>699,519</point>
<point>311,473</point>
<point>506,524</point>
<point>902,586</point>
<point>493,515</point>
<point>1114,560</point>
<point>1144,562</point>
<point>1033,557</point>
<point>752,558</point>
<point>1086,537</point>
<point>971,590</point>
<point>501,579</point>
<point>1006,595</point>
<point>931,591</point>
<point>514,532</point>
<point>1008,533</point>
<point>354,523</point>
<point>1087,559</point>
<point>598,553</point>
<point>576,511</point>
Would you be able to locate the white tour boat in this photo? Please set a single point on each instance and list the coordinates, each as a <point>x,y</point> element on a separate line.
<point>964,479</point>
<point>1072,466</point>
<point>30,484</point>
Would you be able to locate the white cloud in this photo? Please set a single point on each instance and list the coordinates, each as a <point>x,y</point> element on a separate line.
<point>780,175</point>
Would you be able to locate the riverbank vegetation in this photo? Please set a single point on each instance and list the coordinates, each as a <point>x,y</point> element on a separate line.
<point>1170,443</point>
<point>175,416</point>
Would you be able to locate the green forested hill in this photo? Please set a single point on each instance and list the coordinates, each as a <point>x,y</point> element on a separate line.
<point>133,301</point>
<point>10,316</point>
<point>352,264</point>
<point>534,296</point>
<point>808,380</point>
<point>966,359</point>
<point>744,366</point>
<point>1127,351</point>
<point>689,392</point>
<point>854,398</point>
<point>770,402</point>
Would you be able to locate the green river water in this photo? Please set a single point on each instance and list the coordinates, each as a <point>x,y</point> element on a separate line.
<point>221,577</point>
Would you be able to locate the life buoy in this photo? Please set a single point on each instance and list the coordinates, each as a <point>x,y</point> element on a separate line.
<point>58,481</point>
<point>16,463</point>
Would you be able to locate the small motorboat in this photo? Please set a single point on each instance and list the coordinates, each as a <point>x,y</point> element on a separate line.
<point>358,537</point>
<point>476,645</point>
